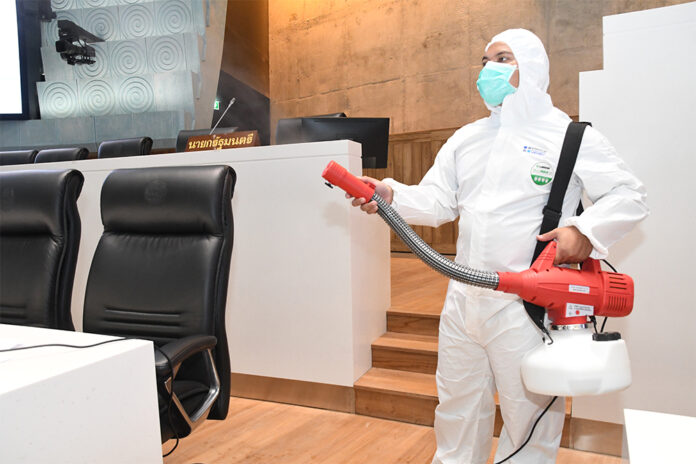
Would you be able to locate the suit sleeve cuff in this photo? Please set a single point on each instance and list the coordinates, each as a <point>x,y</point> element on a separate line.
<point>599,251</point>
<point>395,186</point>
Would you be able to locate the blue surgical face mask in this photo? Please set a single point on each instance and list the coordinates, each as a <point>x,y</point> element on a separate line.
<point>494,82</point>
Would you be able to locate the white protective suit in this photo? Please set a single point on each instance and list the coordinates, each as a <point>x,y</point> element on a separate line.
<point>488,174</point>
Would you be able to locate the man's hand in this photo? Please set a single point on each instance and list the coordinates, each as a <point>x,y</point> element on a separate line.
<point>573,247</point>
<point>382,189</point>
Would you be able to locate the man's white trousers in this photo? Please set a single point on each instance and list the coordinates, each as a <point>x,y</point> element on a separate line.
<point>468,376</point>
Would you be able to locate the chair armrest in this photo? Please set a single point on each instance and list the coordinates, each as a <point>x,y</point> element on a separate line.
<point>180,350</point>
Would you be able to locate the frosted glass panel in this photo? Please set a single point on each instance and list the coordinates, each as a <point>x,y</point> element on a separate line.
<point>145,63</point>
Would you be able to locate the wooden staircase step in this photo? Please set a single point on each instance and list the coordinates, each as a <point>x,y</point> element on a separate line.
<point>406,352</point>
<point>430,312</point>
<point>401,384</point>
<point>418,321</point>
<point>407,342</point>
<point>413,384</point>
<point>411,397</point>
<point>397,395</point>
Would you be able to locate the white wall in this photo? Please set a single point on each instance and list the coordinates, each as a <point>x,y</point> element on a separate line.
<point>644,101</point>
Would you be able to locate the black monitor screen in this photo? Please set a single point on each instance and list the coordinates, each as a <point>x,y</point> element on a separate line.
<point>289,131</point>
<point>371,133</point>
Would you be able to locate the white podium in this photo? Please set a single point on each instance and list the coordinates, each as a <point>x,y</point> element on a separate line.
<point>77,406</point>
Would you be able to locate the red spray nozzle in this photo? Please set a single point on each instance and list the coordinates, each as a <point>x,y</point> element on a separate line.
<point>337,175</point>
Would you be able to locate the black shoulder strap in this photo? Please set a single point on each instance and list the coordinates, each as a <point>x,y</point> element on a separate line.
<point>554,206</point>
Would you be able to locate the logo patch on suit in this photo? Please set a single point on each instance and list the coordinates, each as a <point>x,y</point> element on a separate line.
<point>534,150</point>
<point>542,173</point>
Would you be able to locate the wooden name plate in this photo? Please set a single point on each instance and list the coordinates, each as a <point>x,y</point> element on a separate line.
<point>221,141</point>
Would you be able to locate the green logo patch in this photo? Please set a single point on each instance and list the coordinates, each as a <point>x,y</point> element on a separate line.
<point>542,173</point>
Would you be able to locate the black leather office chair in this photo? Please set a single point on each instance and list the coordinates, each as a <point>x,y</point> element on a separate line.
<point>183,136</point>
<point>160,273</point>
<point>39,240</point>
<point>52,155</point>
<point>138,146</point>
<point>17,157</point>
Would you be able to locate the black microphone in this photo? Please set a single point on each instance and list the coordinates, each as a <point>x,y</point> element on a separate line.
<point>223,115</point>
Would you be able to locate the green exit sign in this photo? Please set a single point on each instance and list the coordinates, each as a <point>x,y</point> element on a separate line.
<point>216,106</point>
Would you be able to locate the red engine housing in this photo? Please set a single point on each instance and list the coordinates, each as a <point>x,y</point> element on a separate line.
<point>571,295</point>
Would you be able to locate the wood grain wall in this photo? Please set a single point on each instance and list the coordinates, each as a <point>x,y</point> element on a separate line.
<point>410,157</point>
<point>416,61</point>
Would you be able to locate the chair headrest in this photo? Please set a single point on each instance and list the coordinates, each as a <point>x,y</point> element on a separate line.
<point>138,146</point>
<point>53,155</point>
<point>17,157</point>
<point>32,202</point>
<point>168,200</point>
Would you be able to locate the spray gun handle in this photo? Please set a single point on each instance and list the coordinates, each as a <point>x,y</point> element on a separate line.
<point>337,175</point>
<point>545,259</point>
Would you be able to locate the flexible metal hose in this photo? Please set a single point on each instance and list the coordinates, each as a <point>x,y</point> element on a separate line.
<point>432,258</point>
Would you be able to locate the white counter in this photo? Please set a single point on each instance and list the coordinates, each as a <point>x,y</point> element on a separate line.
<point>309,278</point>
<point>654,437</point>
<point>63,405</point>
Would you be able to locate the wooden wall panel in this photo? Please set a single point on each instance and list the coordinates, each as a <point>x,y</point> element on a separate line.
<point>416,62</point>
<point>410,157</point>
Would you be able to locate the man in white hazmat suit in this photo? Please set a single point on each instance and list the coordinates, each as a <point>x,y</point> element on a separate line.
<point>495,174</point>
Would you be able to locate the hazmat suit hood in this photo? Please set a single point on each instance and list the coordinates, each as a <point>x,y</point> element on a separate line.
<point>530,101</point>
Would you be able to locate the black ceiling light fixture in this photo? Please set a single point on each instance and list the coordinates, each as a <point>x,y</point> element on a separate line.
<point>72,43</point>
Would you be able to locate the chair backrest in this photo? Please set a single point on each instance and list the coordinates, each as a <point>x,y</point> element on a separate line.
<point>184,135</point>
<point>39,240</point>
<point>138,146</point>
<point>52,155</point>
<point>161,267</point>
<point>17,157</point>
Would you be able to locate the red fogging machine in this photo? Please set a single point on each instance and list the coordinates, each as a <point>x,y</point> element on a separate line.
<point>570,296</point>
<point>575,361</point>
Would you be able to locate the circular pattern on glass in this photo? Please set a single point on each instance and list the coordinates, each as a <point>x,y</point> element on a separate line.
<point>137,21</point>
<point>59,100</point>
<point>136,95</point>
<point>128,59</point>
<point>102,23</point>
<point>51,33</point>
<point>63,4</point>
<point>166,54</point>
<point>94,3</point>
<point>97,98</point>
<point>173,17</point>
<point>97,69</point>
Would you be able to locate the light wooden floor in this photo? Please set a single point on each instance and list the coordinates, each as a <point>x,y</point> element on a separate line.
<point>259,432</point>
<point>272,433</point>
